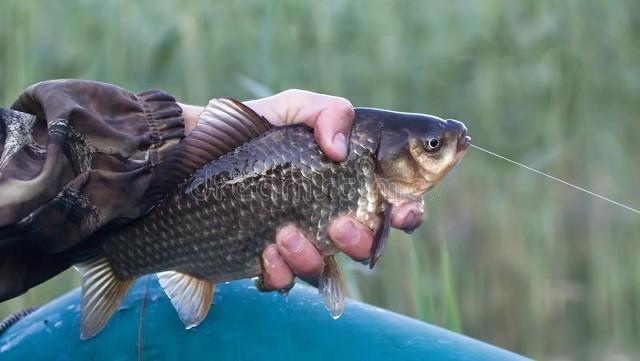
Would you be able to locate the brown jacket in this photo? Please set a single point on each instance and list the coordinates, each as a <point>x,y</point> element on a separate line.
<point>75,156</point>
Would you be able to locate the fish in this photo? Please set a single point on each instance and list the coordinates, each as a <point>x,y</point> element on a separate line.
<point>220,197</point>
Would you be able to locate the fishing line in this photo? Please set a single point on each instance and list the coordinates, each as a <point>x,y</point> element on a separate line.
<point>559,180</point>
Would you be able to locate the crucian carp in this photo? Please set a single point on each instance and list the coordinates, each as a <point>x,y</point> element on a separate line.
<point>220,197</point>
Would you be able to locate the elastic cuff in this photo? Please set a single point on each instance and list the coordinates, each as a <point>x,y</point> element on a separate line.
<point>166,124</point>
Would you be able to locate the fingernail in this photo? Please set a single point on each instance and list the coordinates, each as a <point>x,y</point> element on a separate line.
<point>285,291</point>
<point>271,257</point>
<point>411,222</point>
<point>292,240</point>
<point>339,142</point>
<point>346,232</point>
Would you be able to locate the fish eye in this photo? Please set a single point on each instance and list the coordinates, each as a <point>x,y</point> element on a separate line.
<point>432,144</point>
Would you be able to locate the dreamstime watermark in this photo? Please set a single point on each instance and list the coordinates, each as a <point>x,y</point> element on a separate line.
<point>288,188</point>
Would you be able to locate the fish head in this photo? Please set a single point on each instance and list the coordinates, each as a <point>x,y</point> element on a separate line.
<point>415,151</point>
<point>435,146</point>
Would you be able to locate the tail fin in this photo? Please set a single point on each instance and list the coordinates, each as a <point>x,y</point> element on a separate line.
<point>102,293</point>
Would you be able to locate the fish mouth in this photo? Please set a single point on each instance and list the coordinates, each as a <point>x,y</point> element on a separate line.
<point>464,141</point>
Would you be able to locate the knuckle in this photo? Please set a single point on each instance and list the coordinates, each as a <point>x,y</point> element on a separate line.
<point>344,107</point>
<point>294,93</point>
<point>345,103</point>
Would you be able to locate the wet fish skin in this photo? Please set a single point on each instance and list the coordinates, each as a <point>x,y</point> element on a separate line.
<point>217,225</point>
<point>213,227</point>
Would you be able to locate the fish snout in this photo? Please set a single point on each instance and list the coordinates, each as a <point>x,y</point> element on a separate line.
<point>457,127</point>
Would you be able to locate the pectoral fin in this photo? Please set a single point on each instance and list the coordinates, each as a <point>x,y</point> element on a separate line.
<point>380,239</point>
<point>331,287</point>
<point>102,293</point>
<point>190,296</point>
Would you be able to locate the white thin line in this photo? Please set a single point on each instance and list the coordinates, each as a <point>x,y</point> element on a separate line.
<point>559,180</point>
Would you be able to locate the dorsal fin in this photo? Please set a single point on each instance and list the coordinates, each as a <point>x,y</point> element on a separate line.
<point>189,295</point>
<point>224,125</point>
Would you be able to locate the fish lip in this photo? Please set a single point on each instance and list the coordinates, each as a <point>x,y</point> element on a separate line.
<point>464,141</point>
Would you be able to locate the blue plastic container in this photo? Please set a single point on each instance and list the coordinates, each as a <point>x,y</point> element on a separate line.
<point>243,324</point>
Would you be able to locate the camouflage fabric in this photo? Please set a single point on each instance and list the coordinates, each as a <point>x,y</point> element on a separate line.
<point>75,156</point>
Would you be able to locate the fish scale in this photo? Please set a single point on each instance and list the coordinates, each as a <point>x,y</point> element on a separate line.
<point>232,223</point>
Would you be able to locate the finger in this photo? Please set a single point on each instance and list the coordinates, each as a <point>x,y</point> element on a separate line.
<point>298,252</point>
<point>277,275</point>
<point>351,237</point>
<point>407,216</point>
<point>330,116</point>
<point>332,127</point>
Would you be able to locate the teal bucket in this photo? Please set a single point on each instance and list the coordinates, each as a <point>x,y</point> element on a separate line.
<point>243,324</point>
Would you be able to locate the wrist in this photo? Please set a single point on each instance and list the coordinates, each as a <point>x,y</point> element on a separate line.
<point>190,114</point>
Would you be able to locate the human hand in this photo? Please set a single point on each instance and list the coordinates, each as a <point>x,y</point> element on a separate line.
<point>294,255</point>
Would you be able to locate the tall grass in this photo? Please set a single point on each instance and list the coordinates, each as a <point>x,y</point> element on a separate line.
<point>505,256</point>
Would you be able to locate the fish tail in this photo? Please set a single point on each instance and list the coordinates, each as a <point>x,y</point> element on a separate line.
<point>102,293</point>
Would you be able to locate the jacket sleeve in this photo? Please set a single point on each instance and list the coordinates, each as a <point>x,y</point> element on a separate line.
<point>75,155</point>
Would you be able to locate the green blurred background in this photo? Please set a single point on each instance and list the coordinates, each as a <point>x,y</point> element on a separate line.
<point>505,256</point>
